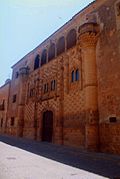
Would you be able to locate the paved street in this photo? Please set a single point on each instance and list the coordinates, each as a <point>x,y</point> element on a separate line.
<point>27,159</point>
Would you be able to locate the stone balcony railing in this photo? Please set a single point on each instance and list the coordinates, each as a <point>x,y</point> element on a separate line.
<point>88,27</point>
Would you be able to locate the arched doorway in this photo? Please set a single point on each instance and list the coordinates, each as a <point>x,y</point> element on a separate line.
<point>47,128</point>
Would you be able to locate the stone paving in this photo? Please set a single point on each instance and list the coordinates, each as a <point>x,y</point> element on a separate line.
<point>27,159</point>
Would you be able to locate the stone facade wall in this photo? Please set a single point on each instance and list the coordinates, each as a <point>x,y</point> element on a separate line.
<point>74,101</point>
<point>86,111</point>
<point>108,63</point>
<point>110,138</point>
<point>4,101</point>
<point>63,101</point>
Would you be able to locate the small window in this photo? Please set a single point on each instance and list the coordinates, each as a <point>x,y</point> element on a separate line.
<point>2,122</point>
<point>53,85</point>
<point>113,119</point>
<point>44,57</point>
<point>31,92</point>
<point>12,121</point>
<point>3,105</point>
<point>37,62</point>
<point>77,75</point>
<point>46,88</point>
<point>72,76</point>
<point>14,98</point>
<point>16,74</point>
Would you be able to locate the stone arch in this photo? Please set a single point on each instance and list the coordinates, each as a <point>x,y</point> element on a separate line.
<point>51,52</point>
<point>61,45</point>
<point>44,57</point>
<point>71,38</point>
<point>47,107</point>
<point>37,62</point>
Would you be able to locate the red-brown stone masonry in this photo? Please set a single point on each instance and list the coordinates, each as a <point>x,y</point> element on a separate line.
<point>51,105</point>
<point>74,103</point>
<point>73,122</point>
<point>110,138</point>
<point>13,107</point>
<point>49,101</point>
<point>4,96</point>
<point>108,63</point>
<point>29,121</point>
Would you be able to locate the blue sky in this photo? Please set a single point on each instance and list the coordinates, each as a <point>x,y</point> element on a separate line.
<point>24,24</point>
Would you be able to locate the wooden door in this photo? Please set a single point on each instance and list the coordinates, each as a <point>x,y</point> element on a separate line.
<point>47,131</point>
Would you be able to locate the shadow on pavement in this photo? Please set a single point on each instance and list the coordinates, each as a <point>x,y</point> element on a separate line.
<point>98,163</point>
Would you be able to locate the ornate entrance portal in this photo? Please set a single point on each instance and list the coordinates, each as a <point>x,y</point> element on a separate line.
<point>47,129</point>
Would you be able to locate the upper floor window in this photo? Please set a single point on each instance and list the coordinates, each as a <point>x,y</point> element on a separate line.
<point>75,75</point>
<point>61,46</point>
<point>31,92</point>
<point>2,105</point>
<point>46,88</point>
<point>14,98</point>
<point>71,38</point>
<point>53,85</point>
<point>37,62</point>
<point>112,119</point>
<point>16,74</point>
<point>44,57</point>
<point>51,52</point>
<point>72,76</point>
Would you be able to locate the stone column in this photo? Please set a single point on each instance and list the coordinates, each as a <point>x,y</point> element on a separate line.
<point>21,100</point>
<point>88,41</point>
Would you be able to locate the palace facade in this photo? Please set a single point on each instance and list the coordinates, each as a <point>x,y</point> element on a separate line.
<point>67,90</point>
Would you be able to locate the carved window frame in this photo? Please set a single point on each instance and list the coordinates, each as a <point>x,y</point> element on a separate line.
<point>77,83</point>
<point>75,75</point>
<point>45,88</point>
